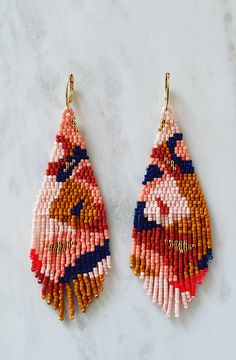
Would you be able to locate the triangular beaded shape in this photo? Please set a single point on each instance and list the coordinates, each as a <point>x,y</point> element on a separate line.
<point>70,238</point>
<point>171,238</point>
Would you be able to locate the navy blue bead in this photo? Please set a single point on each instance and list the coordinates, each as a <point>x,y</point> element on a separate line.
<point>76,209</point>
<point>186,166</point>
<point>202,264</point>
<point>209,254</point>
<point>153,172</point>
<point>86,262</point>
<point>140,222</point>
<point>78,154</point>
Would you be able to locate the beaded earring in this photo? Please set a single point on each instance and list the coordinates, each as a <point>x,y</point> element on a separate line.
<point>171,238</point>
<point>70,238</point>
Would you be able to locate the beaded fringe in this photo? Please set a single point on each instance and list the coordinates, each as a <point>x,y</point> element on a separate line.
<point>171,238</point>
<point>70,239</point>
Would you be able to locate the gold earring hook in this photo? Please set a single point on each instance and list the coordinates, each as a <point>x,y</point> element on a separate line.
<point>167,89</point>
<point>69,90</point>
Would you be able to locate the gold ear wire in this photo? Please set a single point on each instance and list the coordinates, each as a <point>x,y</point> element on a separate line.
<point>69,90</point>
<point>167,89</point>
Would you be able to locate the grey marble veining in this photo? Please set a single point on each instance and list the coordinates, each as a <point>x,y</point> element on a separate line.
<point>118,52</point>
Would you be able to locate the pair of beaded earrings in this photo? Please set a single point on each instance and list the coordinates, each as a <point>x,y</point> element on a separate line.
<point>171,238</point>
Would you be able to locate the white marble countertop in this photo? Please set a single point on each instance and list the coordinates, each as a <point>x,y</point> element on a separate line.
<point>118,52</point>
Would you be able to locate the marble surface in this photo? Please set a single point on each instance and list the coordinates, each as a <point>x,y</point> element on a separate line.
<point>118,51</point>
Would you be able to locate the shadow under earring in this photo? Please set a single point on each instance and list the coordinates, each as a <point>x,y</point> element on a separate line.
<point>171,235</point>
<point>70,239</point>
